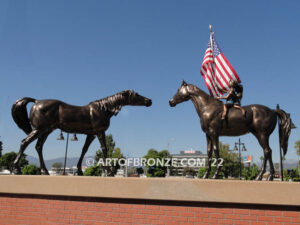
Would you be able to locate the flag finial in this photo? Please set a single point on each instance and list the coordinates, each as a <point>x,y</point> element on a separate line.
<point>210,28</point>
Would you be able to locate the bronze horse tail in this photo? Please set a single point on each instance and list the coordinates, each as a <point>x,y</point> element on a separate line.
<point>284,129</point>
<point>20,115</point>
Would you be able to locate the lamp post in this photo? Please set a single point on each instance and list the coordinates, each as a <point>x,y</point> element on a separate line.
<point>61,138</point>
<point>172,139</point>
<point>239,144</point>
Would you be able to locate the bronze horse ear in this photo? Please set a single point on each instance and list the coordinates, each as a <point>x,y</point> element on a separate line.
<point>183,83</point>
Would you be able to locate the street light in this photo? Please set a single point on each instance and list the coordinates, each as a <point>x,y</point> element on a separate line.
<point>61,138</point>
<point>237,147</point>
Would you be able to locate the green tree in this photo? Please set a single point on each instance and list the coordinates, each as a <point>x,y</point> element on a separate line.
<point>297,147</point>
<point>231,163</point>
<point>156,170</point>
<point>112,153</point>
<point>202,170</point>
<point>7,161</point>
<point>31,170</point>
<point>1,148</point>
<point>57,167</point>
<point>250,173</point>
<point>93,171</point>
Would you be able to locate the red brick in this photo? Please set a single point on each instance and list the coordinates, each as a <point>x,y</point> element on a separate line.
<point>233,216</point>
<point>203,215</point>
<point>226,221</point>
<point>172,213</point>
<point>247,217</point>
<point>166,218</point>
<point>154,207</point>
<point>195,209</point>
<point>241,222</point>
<point>195,219</point>
<point>291,214</point>
<point>209,210</point>
<point>138,216</point>
<point>138,206</point>
<point>187,214</point>
<point>143,221</point>
<point>257,212</point>
<point>186,223</point>
<point>167,208</point>
<point>272,223</point>
<point>158,212</point>
<point>258,223</point>
<point>171,223</point>
<point>180,219</point>
<point>125,215</point>
<point>295,220</point>
<point>273,213</point>
<point>152,217</point>
<point>265,218</point>
<point>225,211</point>
<point>216,215</point>
<point>113,215</point>
<point>157,222</point>
<point>241,211</point>
<point>126,206</point>
<point>282,219</point>
<point>209,220</point>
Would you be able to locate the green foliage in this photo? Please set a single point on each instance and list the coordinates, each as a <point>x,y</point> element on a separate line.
<point>202,170</point>
<point>31,170</point>
<point>7,161</point>
<point>292,174</point>
<point>250,173</point>
<point>93,171</point>
<point>1,148</point>
<point>297,147</point>
<point>112,152</point>
<point>230,167</point>
<point>231,164</point>
<point>57,167</point>
<point>156,170</point>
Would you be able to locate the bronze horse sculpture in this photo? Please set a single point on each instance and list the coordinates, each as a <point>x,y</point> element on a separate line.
<point>92,119</point>
<point>259,120</point>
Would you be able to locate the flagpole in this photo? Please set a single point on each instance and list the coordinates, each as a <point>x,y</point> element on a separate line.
<point>210,37</point>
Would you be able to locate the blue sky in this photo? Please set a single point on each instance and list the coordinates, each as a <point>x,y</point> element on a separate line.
<point>80,51</point>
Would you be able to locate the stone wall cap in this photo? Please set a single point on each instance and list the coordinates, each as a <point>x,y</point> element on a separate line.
<point>166,189</point>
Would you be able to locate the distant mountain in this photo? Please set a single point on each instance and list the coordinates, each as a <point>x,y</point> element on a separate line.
<point>71,161</point>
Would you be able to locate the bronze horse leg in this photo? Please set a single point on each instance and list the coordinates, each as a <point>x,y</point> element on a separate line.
<point>25,142</point>
<point>215,144</point>
<point>89,139</point>
<point>209,156</point>
<point>264,143</point>
<point>39,148</point>
<point>102,140</point>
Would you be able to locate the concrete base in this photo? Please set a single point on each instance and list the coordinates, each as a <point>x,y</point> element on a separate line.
<point>177,189</point>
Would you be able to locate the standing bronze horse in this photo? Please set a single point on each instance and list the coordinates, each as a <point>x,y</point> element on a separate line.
<point>92,119</point>
<point>259,120</point>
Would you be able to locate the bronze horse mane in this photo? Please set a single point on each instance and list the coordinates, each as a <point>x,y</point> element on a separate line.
<point>259,120</point>
<point>92,119</point>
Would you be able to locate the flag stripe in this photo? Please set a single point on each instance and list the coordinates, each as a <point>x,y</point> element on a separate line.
<point>216,69</point>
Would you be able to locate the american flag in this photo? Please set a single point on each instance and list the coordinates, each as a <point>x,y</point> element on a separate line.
<point>216,69</point>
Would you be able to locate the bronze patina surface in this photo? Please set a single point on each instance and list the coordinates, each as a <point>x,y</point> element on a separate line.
<point>258,120</point>
<point>92,119</point>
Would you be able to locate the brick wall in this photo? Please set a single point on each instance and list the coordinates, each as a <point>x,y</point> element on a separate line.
<point>34,209</point>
